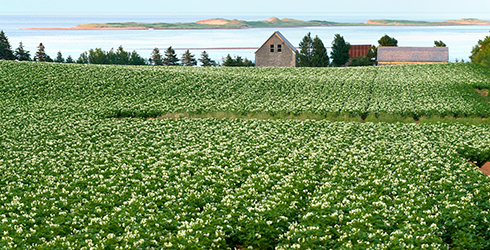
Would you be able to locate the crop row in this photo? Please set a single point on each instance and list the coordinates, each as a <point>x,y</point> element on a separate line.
<point>112,91</point>
<point>220,184</point>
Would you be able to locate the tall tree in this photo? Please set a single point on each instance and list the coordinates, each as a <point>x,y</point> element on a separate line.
<point>122,57</point>
<point>83,58</point>
<point>69,59</point>
<point>6,52</point>
<point>319,54</point>
<point>136,59</point>
<point>340,51</point>
<point>188,59</point>
<point>59,58</point>
<point>205,60</point>
<point>305,55</point>
<point>21,54</point>
<point>387,41</point>
<point>41,55</point>
<point>156,57</point>
<point>439,44</point>
<point>170,58</point>
<point>97,56</point>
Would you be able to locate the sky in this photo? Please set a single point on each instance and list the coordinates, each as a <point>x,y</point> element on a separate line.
<point>243,7</point>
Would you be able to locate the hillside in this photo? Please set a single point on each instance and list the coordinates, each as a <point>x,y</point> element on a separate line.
<point>90,159</point>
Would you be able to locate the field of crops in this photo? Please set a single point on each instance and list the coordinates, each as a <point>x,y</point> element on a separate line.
<point>73,178</point>
<point>119,91</point>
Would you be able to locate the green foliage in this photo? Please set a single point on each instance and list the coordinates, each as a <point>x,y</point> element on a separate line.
<point>74,179</point>
<point>305,54</point>
<point>59,58</point>
<point>5,48</point>
<point>237,61</point>
<point>41,55</point>
<point>340,51</point>
<point>319,54</point>
<point>21,54</point>
<point>439,44</point>
<point>69,59</point>
<point>156,58</point>
<point>206,61</point>
<point>481,52</point>
<point>188,59</point>
<point>119,57</point>
<point>170,58</point>
<point>387,41</point>
<point>83,58</point>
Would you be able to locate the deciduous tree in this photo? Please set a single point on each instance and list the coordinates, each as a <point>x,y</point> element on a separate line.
<point>340,51</point>
<point>387,41</point>
<point>481,52</point>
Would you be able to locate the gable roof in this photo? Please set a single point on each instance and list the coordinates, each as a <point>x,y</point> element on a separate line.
<point>282,38</point>
<point>413,54</point>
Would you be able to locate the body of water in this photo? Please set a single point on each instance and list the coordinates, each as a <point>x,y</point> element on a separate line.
<point>460,39</point>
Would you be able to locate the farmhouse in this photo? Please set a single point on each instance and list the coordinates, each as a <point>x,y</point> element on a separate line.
<point>412,55</point>
<point>277,51</point>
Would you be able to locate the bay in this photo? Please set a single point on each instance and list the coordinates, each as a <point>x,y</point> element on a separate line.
<point>460,39</point>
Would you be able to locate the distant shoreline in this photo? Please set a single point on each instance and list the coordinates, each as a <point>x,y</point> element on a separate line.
<point>219,23</point>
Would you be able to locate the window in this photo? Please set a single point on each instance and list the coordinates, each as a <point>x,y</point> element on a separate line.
<point>272,47</point>
<point>279,48</point>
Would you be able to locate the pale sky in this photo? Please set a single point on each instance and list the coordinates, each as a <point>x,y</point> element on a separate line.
<point>244,7</point>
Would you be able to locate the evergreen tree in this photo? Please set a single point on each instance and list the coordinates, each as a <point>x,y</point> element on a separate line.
<point>205,60</point>
<point>59,58</point>
<point>170,58</point>
<point>69,59</point>
<point>319,56</point>
<point>237,61</point>
<point>439,44</point>
<point>83,58</point>
<point>340,51</point>
<point>122,57</point>
<point>136,59</point>
<point>41,55</point>
<point>188,59</point>
<point>156,57</point>
<point>6,52</point>
<point>228,61</point>
<point>387,41</point>
<point>305,55</point>
<point>21,54</point>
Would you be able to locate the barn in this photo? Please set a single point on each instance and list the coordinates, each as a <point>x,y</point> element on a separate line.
<point>276,51</point>
<point>412,55</point>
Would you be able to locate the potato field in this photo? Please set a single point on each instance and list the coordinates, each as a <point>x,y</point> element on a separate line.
<point>82,165</point>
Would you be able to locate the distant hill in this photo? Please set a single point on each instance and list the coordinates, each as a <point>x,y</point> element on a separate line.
<point>273,22</point>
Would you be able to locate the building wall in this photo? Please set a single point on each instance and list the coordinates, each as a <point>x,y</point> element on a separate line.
<point>400,62</point>
<point>265,58</point>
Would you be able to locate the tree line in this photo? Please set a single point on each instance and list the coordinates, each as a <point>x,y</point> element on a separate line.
<point>313,53</point>
<point>118,57</point>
